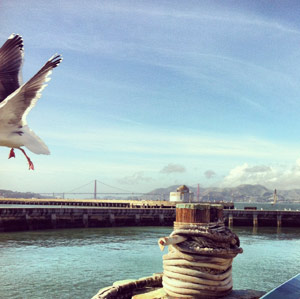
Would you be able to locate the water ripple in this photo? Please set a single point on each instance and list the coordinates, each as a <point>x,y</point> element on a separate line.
<point>78,262</point>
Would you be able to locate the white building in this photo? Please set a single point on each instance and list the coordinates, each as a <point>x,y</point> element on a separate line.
<point>182,194</point>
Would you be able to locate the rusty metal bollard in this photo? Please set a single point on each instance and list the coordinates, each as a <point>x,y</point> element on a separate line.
<point>201,251</point>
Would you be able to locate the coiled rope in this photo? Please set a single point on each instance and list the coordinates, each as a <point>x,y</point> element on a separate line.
<point>199,261</point>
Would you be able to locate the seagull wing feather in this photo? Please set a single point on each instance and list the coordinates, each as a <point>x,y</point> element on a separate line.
<point>11,60</point>
<point>14,109</point>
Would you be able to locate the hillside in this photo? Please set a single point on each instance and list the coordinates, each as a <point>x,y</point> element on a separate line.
<point>241,193</point>
<point>15,194</point>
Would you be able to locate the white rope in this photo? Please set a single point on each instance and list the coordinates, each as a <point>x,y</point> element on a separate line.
<point>199,261</point>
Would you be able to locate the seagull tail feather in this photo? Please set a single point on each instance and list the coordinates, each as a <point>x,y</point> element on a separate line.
<point>34,143</point>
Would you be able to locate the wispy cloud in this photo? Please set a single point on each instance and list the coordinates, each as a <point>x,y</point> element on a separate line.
<point>151,140</point>
<point>173,168</point>
<point>209,174</point>
<point>195,58</point>
<point>135,178</point>
<point>177,11</point>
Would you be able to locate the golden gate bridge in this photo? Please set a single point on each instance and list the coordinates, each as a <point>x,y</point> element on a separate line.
<point>95,194</point>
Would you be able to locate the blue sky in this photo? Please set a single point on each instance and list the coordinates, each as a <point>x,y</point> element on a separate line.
<point>156,93</point>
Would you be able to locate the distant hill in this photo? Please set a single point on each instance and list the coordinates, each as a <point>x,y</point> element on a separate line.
<point>14,194</point>
<point>241,193</point>
<point>160,193</point>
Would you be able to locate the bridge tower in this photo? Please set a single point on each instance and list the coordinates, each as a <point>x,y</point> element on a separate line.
<point>95,189</point>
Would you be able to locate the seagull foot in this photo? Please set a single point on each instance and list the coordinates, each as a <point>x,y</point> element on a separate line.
<point>11,154</point>
<point>31,166</point>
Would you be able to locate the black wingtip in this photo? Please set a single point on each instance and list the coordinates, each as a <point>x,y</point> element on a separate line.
<point>17,40</point>
<point>55,60</point>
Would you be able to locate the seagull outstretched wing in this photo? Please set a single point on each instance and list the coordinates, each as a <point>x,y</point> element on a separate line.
<point>14,109</point>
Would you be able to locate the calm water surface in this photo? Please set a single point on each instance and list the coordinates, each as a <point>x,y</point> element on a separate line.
<point>77,263</point>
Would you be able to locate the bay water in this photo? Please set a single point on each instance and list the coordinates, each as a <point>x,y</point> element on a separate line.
<point>76,263</point>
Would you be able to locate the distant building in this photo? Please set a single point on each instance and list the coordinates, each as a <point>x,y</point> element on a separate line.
<point>182,194</point>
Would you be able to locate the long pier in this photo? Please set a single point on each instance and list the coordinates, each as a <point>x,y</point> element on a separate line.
<point>33,214</point>
<point>262,218</point>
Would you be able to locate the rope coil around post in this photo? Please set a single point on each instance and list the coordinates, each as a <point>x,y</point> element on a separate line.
<point>199,261</point>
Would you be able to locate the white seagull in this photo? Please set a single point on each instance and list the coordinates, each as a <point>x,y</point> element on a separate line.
<point>17,99</point>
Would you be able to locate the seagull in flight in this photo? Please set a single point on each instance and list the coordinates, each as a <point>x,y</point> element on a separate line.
<point>17,99</point>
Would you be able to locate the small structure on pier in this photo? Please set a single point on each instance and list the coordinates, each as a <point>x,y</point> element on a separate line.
<point>182,194</point>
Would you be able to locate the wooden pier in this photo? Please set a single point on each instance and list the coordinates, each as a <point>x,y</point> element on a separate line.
<point>14,219</point>
<point>32,214</point>
<point>262,218</point>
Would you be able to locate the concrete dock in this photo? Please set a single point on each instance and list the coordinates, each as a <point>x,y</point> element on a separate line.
<point>262,218</point>
<point>33,214</point>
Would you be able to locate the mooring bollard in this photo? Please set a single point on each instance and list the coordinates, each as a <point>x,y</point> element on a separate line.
<point>201,251</point>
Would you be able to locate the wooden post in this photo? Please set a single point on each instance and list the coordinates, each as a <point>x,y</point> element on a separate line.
<point>137,218</point>
<point>230,220</point>
<point>161,219</point>
<point>255,221</point>
<point>216,213</point>
<point>184,275</point>
<point>279,221</point>
<point>1,225</point>
<point>85,220</point>
<point>254,230</point>
<point>28,222</point>
<point>53,220</point>
<point>112,219</point>
<point>192,214</point>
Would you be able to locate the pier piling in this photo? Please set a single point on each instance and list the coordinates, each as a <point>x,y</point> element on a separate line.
<point>255,220</point>
<point>278,220</point>
<point>230,220</point>
<point>112,219</point>
<point>137,218</point>
<point>85,220</point>
<point>161,219</point>
<point>53,220</point>
<point>201,251</point>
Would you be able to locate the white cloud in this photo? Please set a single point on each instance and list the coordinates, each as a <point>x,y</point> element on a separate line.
<point>173,168</point>
<point>280,177</point>
<point>135,178</point>
<point>139,155</point>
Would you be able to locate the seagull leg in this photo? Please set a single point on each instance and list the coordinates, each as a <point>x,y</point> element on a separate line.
<point>11,154</point>
<point>28,159</point>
